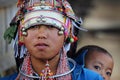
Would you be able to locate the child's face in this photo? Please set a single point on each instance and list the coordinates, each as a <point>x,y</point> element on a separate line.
<point>43,42</point>
<point>101,63</point>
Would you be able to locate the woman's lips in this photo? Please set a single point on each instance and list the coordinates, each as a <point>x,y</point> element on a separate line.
<point>41,46</point>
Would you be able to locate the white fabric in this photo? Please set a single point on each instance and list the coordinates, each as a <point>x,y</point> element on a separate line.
<point>44,17</point>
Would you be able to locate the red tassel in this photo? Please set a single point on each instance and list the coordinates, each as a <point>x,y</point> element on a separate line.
<point>75,38</point>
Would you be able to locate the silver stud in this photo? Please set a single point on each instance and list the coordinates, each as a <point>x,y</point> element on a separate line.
<point>38,19</point>
<point>62,29</point>
<point>24,33</point>
<point>60,32</point>
<point>23,29</point>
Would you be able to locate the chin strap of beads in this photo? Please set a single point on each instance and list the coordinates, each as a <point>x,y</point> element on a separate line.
<point>46,73</point>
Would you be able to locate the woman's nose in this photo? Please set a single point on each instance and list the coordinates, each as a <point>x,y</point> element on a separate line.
<point>42,32</point>
<point>42,28</point>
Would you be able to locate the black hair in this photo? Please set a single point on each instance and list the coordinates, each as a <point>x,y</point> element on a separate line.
<point>92,48</point>
<point>73,46</point>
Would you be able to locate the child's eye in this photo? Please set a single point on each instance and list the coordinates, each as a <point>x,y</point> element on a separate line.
<point>97,68</point>
<point>108,73</point>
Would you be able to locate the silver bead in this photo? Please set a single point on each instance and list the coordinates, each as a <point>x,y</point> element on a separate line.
<point>38,19</point>
<point>60,32</point>
<point>62,29</point>
<point>23,29</point>
<point>41,19</point>
<point>24,33</point>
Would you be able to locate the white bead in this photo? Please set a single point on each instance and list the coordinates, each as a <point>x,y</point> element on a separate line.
<point>24,33</point>
<point>60,32</point>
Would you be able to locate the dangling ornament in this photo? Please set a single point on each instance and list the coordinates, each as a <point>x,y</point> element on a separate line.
<point>71,40</point>
<point>71,37</point>
<point>61,32</point>
<point>46,73</point>
<point>75,38</point>
<point>24,33</point>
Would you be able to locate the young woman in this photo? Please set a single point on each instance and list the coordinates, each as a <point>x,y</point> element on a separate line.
<point>43,37</point>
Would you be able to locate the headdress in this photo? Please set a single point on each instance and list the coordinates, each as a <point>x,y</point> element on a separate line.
<point>57,13</point>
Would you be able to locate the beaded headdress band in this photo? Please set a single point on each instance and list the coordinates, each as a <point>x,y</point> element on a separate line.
<point>57,13</point>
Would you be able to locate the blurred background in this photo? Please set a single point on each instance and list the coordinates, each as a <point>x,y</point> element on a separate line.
<point>100,17</point>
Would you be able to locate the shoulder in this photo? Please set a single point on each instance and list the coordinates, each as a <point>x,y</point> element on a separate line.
<point>90,75</point>
<point>81,73</point>
<point>10,77</point>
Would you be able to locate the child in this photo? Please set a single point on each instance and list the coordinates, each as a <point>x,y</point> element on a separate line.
<point>43,34</point>
<point>96,58</point>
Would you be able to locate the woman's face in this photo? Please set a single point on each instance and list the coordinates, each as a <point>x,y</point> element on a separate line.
<point>43,42</point>
<point>101,63</point>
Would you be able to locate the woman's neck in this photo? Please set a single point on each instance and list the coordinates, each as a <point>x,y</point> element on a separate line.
<point>38,64</point>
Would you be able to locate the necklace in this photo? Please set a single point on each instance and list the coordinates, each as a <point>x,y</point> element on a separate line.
<point>54,76</point>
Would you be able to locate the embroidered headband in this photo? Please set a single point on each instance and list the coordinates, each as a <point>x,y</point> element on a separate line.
<point>47,12</point>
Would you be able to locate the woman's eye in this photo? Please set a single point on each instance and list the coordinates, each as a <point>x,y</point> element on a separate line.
<point>108,73</point>
<point>97,67</point>
<point>50,26</point>
<point>34,27</point>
